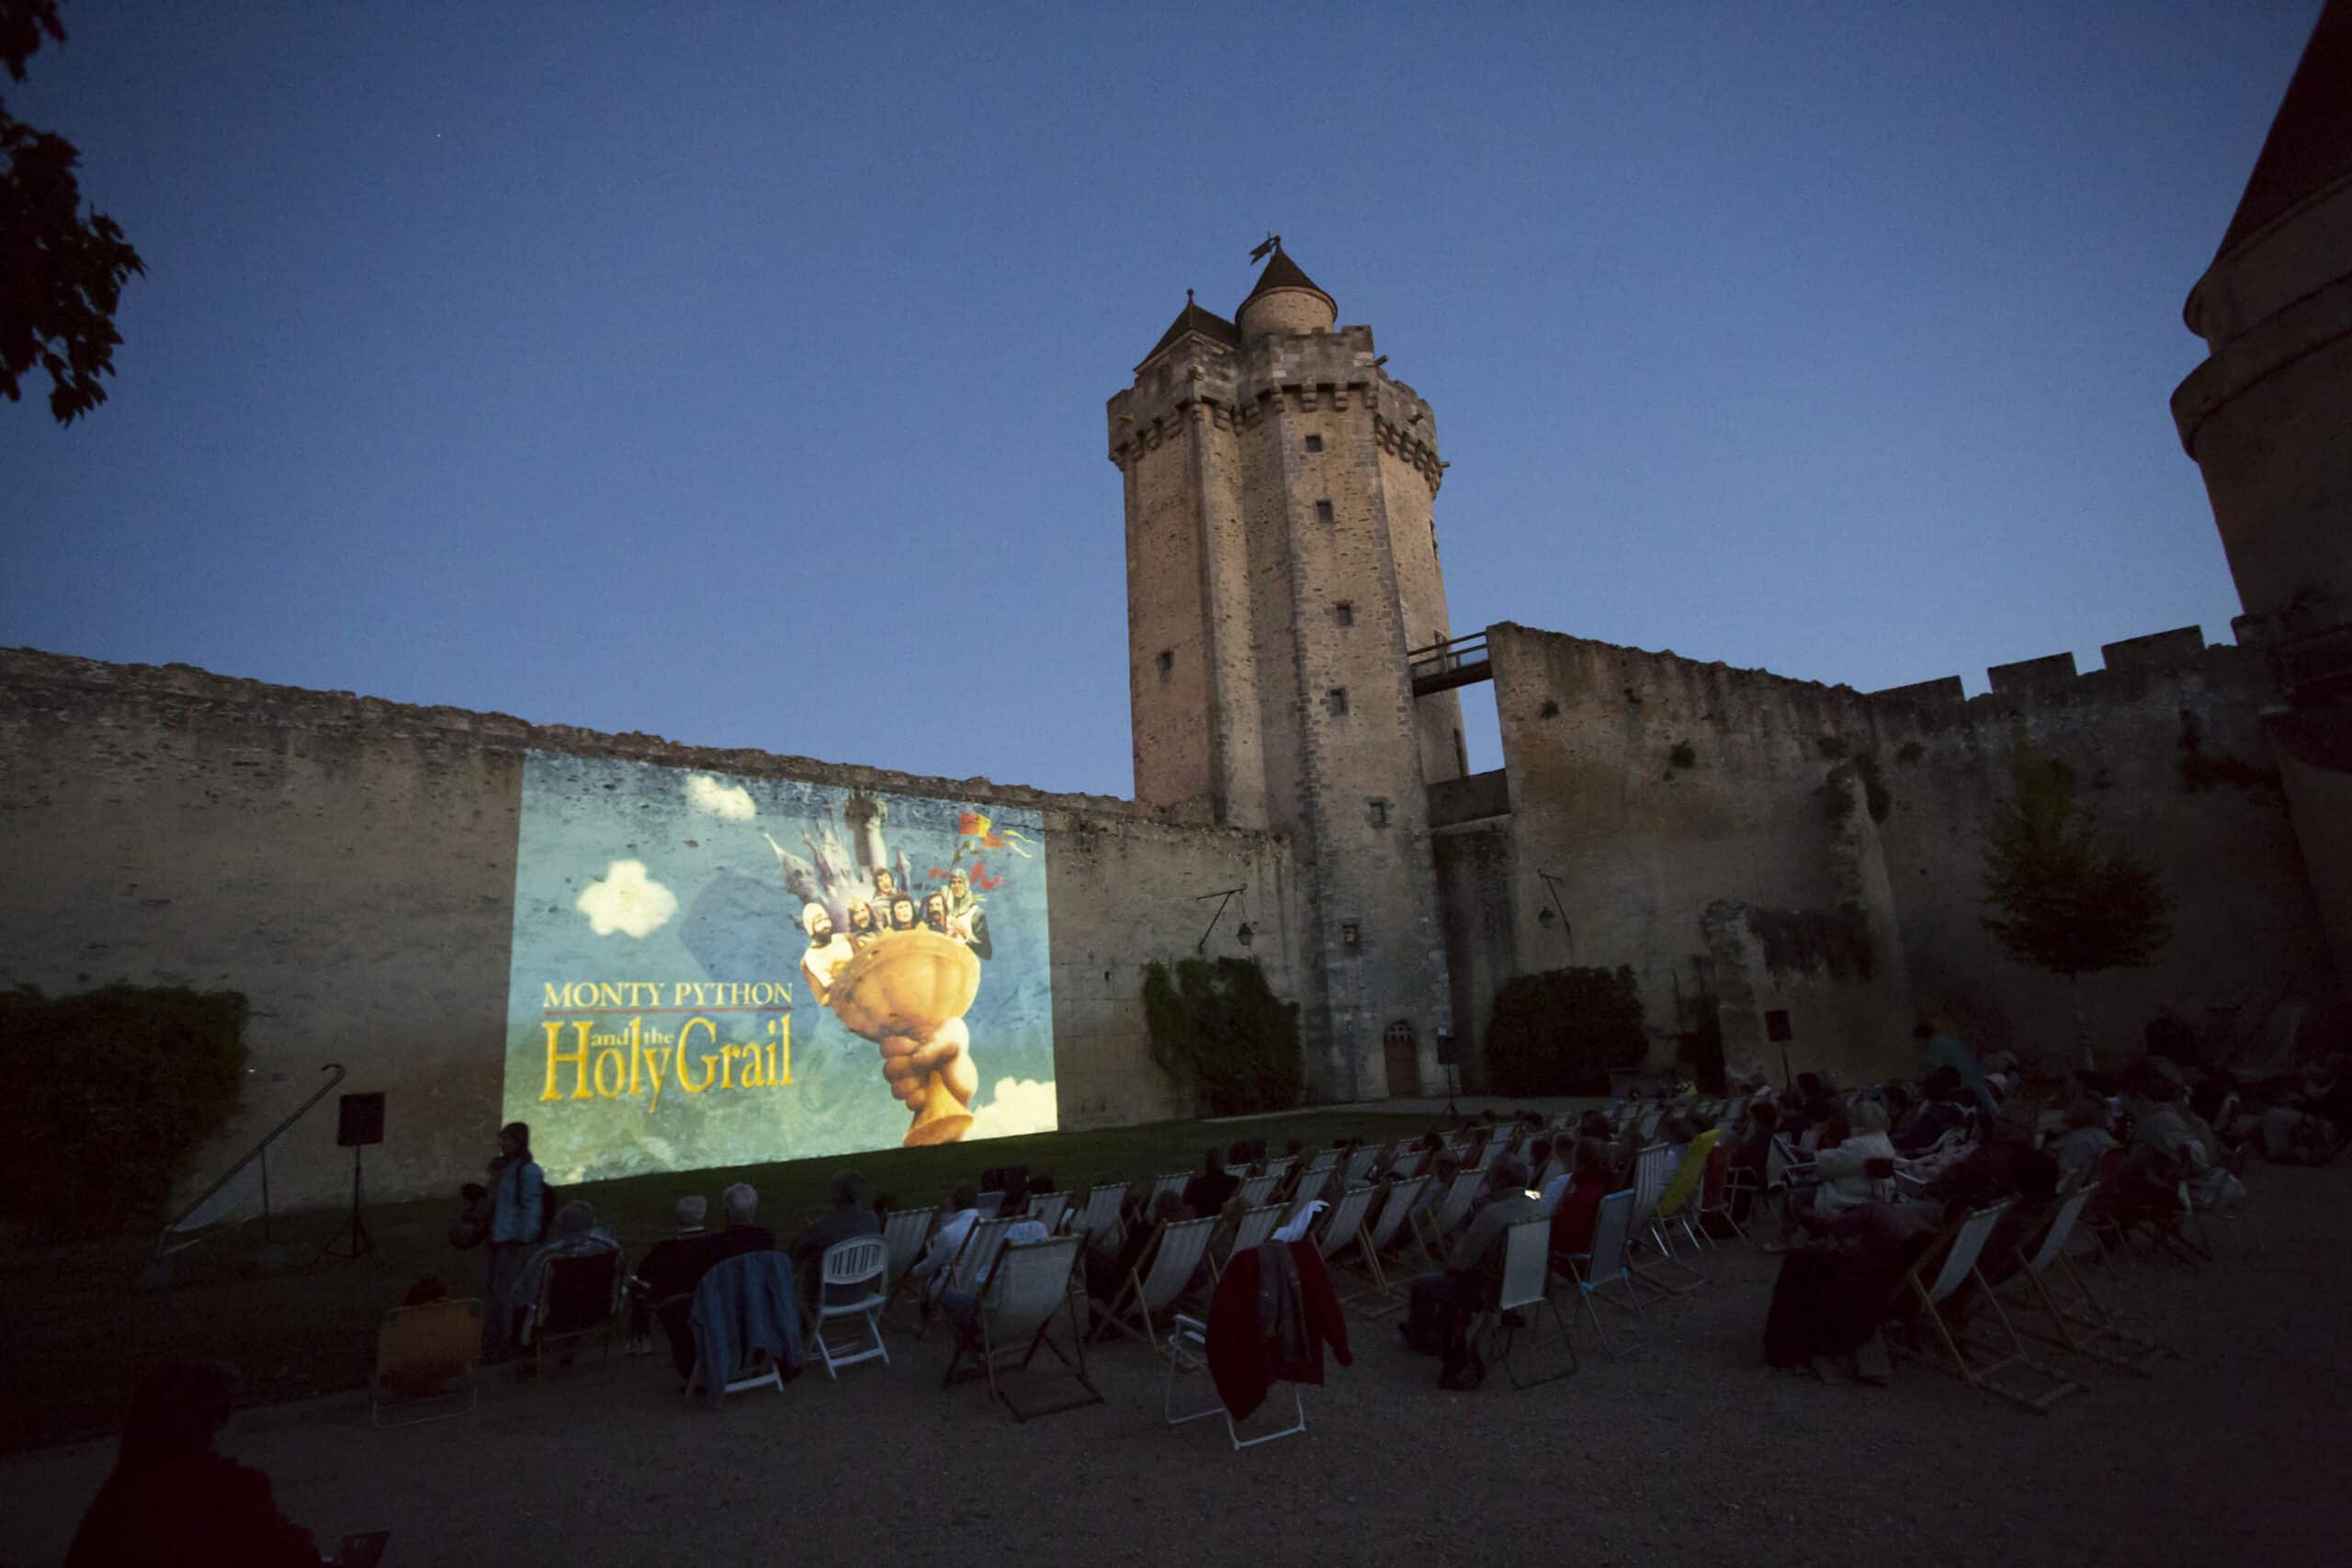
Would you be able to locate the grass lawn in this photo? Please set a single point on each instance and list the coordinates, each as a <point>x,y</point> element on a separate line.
<point>80,1331</point>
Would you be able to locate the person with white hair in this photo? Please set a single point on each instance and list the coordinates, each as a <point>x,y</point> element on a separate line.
<point>740,1205</point>
<point>829,950</point>
<point>669,1267</point>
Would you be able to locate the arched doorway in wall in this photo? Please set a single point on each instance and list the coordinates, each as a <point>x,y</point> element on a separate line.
<point>1404,1054</point>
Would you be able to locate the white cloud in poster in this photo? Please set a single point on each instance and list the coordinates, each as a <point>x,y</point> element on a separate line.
<point>1020,1105</point>
<point>729,802</point>
<point>627,900</point>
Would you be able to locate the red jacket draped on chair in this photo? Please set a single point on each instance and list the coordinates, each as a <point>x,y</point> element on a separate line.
<point>1244,1359</point>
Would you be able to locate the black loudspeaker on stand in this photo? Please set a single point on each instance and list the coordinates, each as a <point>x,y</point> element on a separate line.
<point>361,1122</point>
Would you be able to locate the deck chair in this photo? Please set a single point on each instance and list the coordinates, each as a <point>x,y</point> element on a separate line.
<point>977,1256</point>
<point>1650,1119</point>
<point>1278,1168</point>
<point>1100,1215</point>
<point>1993,1370</point>
<point>2070,1316</point>
<point>1311,1184</point>
<point>1257,1189</point>
<point>1383,1230</point>
<point>1256,1225</point>
<point>1342,1226</point>
<point>1048,1210</point>
<point>1405,1162</point>
<point>1678,1202</point>
<point>989,1204</point>
<point>907,1233</point>
<point>1359,1163</point>
<point>1652,1172</point>
<point>1526,1290</point>
<point>428,1360</point>
<point>1147,1294</point>
<point>1594,1273</point>
<point>1434,1223</point>
<point>1322,1159</point>
<point>1486,1152</point>
<point>581,1301</point>
<point>1171,1181</point>
<point>1716,1190</point>
<point>1029,1287</point>
<point>853,1282</point>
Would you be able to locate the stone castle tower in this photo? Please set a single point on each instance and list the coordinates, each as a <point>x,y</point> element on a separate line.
<point>1281,570</point>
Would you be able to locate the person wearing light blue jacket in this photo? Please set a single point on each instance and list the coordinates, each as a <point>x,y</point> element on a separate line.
<point>516,1222</point>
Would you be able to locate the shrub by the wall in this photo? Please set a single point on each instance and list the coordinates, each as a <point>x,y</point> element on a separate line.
<point>111,1094</point>
<point>1563,1030</point>
<point>1218,1030</point>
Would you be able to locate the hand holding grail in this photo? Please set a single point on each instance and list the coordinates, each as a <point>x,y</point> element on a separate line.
<point>907,1062</point>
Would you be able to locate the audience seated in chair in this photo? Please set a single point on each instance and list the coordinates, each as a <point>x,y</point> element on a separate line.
<point>1589,1183</point>
<point>962,1308</point>
<point>1443,1301</point>
<point>1939,1115</point>
<point>1841,1159</point>
<point>741,1205</point>
<point>577,1235</point>
<point>669,1267</point>
<point>842,1221</point>
<point>956,1222</point>
<point>1212,1189</point>
<point>1106,1268</point>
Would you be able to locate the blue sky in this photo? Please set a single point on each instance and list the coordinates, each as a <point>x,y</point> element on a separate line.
<point>736,374</point>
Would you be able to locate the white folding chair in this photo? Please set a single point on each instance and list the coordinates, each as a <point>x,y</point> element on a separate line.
<point>1144,1296</point>
<point>1527,1289</point>
<point>755,1368</point>
<point>1555,1187</point>
<point>1593,1271</point>
<point>853,1281</point>
<point>1028,1288</point>
<point>1188,1357</point>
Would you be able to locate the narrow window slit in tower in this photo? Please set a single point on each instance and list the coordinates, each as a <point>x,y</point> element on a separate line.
<point>1338,701</point>
<point>1345,613</point>
<point>1314,444</point>
<point>1167,662</point>
<point>1323,514</point>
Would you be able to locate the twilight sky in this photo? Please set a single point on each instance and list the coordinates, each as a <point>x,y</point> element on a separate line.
<point>738,375</point>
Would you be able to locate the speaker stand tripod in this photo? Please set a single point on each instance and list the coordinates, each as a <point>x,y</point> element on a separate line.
<point>352,1241</point>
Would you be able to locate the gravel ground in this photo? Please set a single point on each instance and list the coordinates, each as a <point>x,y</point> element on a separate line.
<point>1685,1449</point>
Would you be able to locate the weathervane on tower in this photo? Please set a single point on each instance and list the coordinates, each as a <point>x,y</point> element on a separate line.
<point>1272,246</point>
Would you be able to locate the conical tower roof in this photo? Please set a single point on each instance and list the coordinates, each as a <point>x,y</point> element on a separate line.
<point>1194,319</point>
<point>1282,273</point>
<point>2310,145</point>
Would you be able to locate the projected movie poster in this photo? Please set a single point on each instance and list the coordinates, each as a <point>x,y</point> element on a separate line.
<point>714,970</point>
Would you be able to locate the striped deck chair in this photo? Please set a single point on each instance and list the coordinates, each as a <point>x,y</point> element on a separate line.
<point>1278,1168</point>
<point>1028,1289</point>
<point>1323,1159</point>
<point>1407,1162</point>
<point>1258,1190</point>
<point>1048,1210</point>
<point>909,1233</point>
<point>1256,1225</point>
<point>1935,1297</point>
<point>976,1256</point>
<point>2071,1316</point>
<point>1385,1230</point>
<point>1172,1182</point>
<point>1150,1292</point>
<point>1311,1186</point>
<point>1359,1163</point>
<point>1486,1152</point>
<point>1342,1227</point>
<point>1653,1169</point>
<point>1100,1218</point>
<point>1434,1223</point>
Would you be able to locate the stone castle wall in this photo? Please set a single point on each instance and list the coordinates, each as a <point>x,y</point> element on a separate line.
<point>1711,827</point>
<point>348,864</point>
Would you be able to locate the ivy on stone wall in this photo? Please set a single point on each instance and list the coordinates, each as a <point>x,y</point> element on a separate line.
<point>1218,1030</point>
<point>1562,1031</point>
<point>111,1094</point>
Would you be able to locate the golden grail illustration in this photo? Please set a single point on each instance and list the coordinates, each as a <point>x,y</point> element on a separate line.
<point>911,984</point>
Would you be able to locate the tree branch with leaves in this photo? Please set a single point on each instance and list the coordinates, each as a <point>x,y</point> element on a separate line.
<point>62,274</point>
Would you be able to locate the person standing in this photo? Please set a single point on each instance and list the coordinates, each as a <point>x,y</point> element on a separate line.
<point>516,1223</point>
